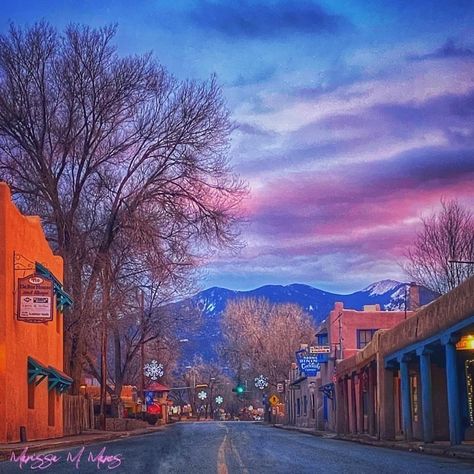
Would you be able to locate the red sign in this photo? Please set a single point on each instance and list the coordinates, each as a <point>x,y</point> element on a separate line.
<point>35,299</point>
<point>154,409</point>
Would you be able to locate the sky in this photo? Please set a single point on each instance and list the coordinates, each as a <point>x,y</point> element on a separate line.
<point>354,118</point>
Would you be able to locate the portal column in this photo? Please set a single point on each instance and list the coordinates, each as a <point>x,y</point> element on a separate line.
<point>426,394</point>
<point>452,381</point>
<point>371,399</point>
<point>406,398</point>
<point>353,405</point>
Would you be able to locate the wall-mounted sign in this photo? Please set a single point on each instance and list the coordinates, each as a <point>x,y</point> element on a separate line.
<point>466,343</point>
<point>35,299</point>
<point>320,350</point>
<point>308,363</point>
<point>280,387</point>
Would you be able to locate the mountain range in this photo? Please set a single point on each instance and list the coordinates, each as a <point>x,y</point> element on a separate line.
<point>211,303</point>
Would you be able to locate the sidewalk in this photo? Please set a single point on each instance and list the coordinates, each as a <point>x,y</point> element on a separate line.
<point>438,448</point>
<point>88,437</point>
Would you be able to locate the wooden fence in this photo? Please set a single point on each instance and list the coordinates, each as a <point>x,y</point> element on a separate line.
<point>78,414</point>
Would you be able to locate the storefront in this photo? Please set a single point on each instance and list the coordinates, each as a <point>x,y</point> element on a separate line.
<point>31,329</point>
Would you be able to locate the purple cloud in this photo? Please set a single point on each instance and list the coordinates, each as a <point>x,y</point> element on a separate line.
<point>246,19</point>
<point>449,50</point>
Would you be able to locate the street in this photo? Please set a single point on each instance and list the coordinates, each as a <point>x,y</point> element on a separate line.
<point>234,447</point>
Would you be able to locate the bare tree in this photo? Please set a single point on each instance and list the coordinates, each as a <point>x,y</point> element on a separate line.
<point>445,241</point>
<point>103,147</point>
<point>261,338</point>
<point>207,377</point>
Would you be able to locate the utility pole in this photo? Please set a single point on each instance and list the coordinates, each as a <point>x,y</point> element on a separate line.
<point>340,336</point>
<point>142,348</point>
<point>103,374</point>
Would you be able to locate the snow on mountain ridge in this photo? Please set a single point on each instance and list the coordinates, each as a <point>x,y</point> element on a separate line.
<point>382,287</point>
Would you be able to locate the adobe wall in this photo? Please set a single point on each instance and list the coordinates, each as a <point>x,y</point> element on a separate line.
<point>353,320</point>
<point>438,316</point>
<point>23,236</point>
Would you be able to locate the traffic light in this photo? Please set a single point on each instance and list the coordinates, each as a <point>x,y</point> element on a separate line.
<point>239,389</point>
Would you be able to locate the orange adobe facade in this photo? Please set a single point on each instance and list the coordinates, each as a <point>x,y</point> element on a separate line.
<point>31,354</point>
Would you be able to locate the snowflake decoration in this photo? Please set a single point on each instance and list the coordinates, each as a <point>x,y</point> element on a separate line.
<point>153,370</point>
<point>219,399</point>
<point>261,382</point>
<point>202,395</point>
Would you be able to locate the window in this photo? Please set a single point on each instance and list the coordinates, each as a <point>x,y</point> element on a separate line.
<point>364,336</point>
<point>305,405</point>
<point>51,407</point>
<point>322,339</point>
<point>298,407</point>
<point>31,395</point>
<point>313,414</point>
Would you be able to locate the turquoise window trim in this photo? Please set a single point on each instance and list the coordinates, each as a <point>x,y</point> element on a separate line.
<point>36,371</point>
<point>63,300</point>
<point>57,380</point>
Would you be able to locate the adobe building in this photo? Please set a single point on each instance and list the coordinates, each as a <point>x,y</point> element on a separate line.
<point>346,332</point>
<point>416,380</point>
<point>31,329</point>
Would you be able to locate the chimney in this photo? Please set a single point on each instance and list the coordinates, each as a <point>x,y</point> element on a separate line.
<point>371,307</point>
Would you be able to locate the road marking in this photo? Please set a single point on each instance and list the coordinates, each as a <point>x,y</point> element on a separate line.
<point>221,465</point>
<point>242,467</point>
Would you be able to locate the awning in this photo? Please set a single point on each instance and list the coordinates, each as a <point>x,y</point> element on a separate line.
<point>299,380</point>
<point>36,369</point>
<point>58,380</point>
<point>63,300</point>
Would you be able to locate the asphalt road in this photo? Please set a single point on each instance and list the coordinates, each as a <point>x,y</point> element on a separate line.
<point>234,447</point>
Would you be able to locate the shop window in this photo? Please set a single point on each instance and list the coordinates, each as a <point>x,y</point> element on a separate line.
<point>364,336</point>
<point>305,405</point>
<point>414,397</point>
<point>31,395</point>
<point>51,407</point>
<point>298,407</point>
<point>313,413</point>
<point>469,370</point>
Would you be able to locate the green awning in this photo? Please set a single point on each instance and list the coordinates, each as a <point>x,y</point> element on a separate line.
<point>63,300</point>
<point>58,380</point>
<point>36,369</point>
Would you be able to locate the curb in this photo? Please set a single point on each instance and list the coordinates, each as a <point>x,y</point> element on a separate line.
<point>433,450</point>
<point>421,448</point>
<point>318,434</point>
<point>57,443</point>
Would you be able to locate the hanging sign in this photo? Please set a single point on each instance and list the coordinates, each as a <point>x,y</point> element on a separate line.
<point>320,349</point>
<point>35,299</point>
<point>308,363</point>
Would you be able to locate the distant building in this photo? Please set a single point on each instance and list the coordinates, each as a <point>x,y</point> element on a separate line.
<point>310,401</point>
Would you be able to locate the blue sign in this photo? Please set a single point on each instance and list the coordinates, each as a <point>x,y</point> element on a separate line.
<point>148,398</point>
<point>308,363</point>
